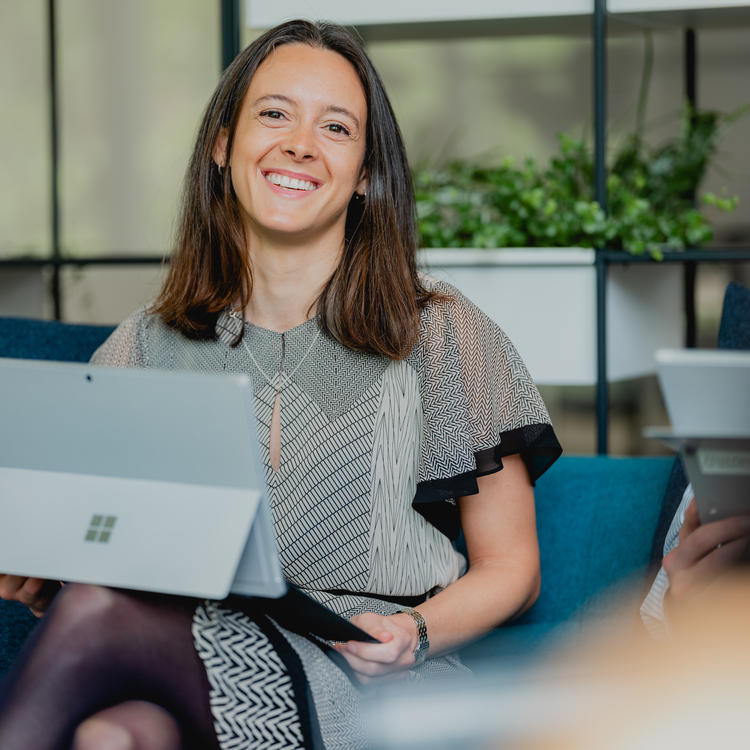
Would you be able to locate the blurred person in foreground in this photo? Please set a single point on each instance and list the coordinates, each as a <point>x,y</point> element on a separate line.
<point>696,556</point>
<point>690,691</point>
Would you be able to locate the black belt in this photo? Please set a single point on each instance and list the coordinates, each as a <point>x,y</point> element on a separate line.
<point>405,601</point>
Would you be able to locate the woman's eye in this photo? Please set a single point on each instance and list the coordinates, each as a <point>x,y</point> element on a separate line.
<point>338,128</point>
<point>273,114</point>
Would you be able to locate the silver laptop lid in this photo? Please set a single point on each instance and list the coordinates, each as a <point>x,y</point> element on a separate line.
<point>134,478</point>
<point>707,391</point>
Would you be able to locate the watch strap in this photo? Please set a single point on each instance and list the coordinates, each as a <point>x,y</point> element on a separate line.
<point>423,642</point>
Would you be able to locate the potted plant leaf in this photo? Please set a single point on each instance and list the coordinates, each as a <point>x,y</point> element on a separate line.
<point>510,218</point>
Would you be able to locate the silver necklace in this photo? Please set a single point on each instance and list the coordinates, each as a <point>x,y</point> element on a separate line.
<point>277,380</point>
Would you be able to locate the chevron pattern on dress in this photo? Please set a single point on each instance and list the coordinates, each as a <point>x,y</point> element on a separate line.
<point>330,374</point>
<point>336,700</point>
<point>320,496</point>
<point>407,554</point>
<point>252,699</point>
<point>336,378</point>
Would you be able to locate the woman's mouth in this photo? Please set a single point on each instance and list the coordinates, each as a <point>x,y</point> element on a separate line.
<point>292,183</point>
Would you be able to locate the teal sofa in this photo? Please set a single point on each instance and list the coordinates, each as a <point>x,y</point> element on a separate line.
<point>597,517</point>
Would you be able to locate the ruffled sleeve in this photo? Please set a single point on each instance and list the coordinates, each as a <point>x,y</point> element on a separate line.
<point>479,404</point>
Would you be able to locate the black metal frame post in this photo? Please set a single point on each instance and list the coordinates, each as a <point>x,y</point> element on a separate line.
<point>600,193</point>
<point>230,31</point>
<point>690,269</point>
<point>54,158</point>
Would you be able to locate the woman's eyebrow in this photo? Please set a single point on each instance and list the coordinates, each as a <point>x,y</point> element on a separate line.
<point>335,108</point>
<point>343,111</point>
<point>273,97</point>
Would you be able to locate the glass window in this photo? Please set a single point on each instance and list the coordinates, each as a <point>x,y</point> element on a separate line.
<point>485,98</point>
<point>108,294</point>
<point>133,78</point>
<point>24,130</point>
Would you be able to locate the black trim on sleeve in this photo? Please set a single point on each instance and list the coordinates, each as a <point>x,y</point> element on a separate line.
<point>435,499</point>
<point>537,444</point>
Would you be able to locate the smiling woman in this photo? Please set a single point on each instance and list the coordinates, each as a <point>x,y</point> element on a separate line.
<point>294,107</point>
<point>390,413</point>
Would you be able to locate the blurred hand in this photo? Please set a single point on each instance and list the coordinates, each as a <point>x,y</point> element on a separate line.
<point>395,652</point>
<point>704,552</point>
<point>35,593</point>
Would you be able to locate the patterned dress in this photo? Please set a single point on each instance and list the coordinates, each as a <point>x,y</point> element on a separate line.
<point>374,453</point>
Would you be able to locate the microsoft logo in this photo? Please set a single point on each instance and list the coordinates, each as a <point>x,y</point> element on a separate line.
<point>100,528</point>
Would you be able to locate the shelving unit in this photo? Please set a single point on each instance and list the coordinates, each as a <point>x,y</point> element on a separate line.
<point>28,270</point>
<point>416,18</point>
<point>690,16</point>
<point>684,14</point>
<point>397,19</point>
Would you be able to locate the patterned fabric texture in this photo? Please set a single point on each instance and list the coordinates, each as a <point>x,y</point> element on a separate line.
<point>252,695</point>
<point>365,441</point>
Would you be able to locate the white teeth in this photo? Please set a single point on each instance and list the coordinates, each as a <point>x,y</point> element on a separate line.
<point>290,182</point>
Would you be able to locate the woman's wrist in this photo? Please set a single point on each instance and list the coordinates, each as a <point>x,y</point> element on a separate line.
<point>420,643</point>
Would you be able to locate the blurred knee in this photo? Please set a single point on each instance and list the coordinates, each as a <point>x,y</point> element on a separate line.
<point>82,605</point>
<point>99,733</point>
<point>83,622</point>
<point>133,725</point>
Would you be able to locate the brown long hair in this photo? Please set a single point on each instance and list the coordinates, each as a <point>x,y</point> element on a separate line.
<point>373,299</point>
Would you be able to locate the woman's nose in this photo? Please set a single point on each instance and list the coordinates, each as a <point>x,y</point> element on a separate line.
<point>300,143</point>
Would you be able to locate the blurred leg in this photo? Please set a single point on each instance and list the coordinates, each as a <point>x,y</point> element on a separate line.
<point>135,725</point>
<point>98,647</point>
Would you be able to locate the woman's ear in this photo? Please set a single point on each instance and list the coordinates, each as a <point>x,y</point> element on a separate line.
<point>363,182</point>
<point>220,148</point>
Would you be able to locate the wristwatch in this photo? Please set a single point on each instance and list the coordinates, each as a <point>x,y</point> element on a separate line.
<point>423,643</point>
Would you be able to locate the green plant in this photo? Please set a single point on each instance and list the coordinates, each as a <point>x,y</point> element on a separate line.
<point>651,194</point>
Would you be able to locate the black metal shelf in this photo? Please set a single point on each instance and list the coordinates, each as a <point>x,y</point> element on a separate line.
<point>94,260</point>
<point>690,258</point>
<point>691,255</point>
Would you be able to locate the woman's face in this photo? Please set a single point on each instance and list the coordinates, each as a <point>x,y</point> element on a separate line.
<point>299,145</point>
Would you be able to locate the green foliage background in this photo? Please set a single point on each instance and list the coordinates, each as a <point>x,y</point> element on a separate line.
<point>651,196</point>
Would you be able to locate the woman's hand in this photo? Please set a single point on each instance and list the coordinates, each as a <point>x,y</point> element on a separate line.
<point>395,652</point>
<point>703,553</point>
<point>35,593</point>
<point>502,581</point>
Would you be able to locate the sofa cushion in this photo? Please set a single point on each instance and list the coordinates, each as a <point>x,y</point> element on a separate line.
<point>734,328</point>
<point>16,622</point>
<point>595,518</point>
<point>25,338</point>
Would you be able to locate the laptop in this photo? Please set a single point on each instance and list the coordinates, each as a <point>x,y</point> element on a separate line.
<point>142,479</point>
<point>707,394</point>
